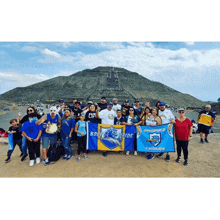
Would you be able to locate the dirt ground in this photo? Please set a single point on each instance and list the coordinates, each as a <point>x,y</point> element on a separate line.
<point>203,162</point>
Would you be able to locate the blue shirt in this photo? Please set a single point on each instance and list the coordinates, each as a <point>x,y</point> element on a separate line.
<point>51,120</point>
<point>81,128</point>
<point>67,125</point>
<point>31,129</point>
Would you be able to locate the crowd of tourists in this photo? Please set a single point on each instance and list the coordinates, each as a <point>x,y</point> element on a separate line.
<point>67,124</point>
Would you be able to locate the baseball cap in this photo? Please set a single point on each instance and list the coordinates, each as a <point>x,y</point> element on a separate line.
<point>115,99</point>
<point>89,102</point>
<point>208,106</point>
<point>126,100</point>
<point>61,100</point>
<point>136,101</point>
<point>162,103</point>
<point>181,109</point>
<point>82,113</point>
<point>110,104</point>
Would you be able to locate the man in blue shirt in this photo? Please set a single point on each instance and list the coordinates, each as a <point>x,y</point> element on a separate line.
<point>205,122</point>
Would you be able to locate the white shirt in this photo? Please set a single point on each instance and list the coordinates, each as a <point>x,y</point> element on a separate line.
<point>116,107</point>
<point>166,116</point>
<point>107,116</point>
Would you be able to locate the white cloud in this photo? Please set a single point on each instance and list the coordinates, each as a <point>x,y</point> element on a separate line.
<point>50,54</point>
<point>29,49</point>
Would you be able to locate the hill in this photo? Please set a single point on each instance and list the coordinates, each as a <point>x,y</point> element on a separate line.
<point>91,84</point>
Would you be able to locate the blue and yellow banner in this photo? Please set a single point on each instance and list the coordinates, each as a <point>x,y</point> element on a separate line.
<point>155,139</point>
<point>110,137</point>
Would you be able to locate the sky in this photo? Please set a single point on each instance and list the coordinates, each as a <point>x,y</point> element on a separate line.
<point>189,67</point>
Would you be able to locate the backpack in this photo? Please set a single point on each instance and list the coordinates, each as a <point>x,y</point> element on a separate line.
<point>55,151</point>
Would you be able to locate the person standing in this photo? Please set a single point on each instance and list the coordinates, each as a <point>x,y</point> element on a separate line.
<point>118,119</point>
<point>48,138</point>
<point>145,115</point>
<point>138,109</point>
<point>80,129</point>
<point>107,117</point>
<point>125,108</point>
<point>68,125</point>
<point>17,138</point>
<point>116,106</point>
<point>182,134</point>
<point>205,122</point>
<point>91,114</point>
<point>21,122</point>
<point>103,104</point>
<point>32,132</point>
<point>135,120</point>
<point>153,120</point>
<point>167,117</point>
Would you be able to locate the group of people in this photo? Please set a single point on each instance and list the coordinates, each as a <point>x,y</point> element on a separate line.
<point>71,122</point>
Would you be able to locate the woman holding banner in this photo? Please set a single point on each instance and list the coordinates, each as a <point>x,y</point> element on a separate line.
<point>153,120</point>
<point>132,119</point>
<point>182,134</point>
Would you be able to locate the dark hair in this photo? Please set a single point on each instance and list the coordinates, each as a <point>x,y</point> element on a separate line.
<point>147,108</point>
<point>68,106</point>
<point>12,120</point>
<point>157,103</point>
<point>32,108</point>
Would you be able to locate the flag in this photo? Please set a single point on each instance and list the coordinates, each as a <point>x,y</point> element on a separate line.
<point>155,139</point>
<point>110,137</point>
<point>10,141</point>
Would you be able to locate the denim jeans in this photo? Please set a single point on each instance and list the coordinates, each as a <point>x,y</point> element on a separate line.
<point>24,146</point>
<point>66,143</point>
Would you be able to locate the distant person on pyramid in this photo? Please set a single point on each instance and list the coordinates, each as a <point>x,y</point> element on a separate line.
<point>116,106</point>
<point>205,122</point>
<point>125,108</point>
<point>167,117</point>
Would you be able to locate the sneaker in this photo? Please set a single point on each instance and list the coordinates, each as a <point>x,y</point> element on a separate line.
<point>65,156</point>
<point>78,159</point>
<point>46,162</point>
<point>31,163</point>
<point>104,154</point>
<point>201,141</point>
<point>150,157</point>
<point>160,155</point>
<point>86,157</point>
<point>37,160</point>
<point>167,157</point>
<point>178,159</point>
<point>23,158</point>
<point>127,153</point>
<point>69,157</point>
<point>206,140</point>
<point>185,162</point>
<point>21,154</point>
<point>135,153</point>
<point>8,160</point>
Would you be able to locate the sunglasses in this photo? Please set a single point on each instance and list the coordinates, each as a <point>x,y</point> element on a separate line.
<point>181,111</point>
<point>131,110</point>
<point>30,110</point>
